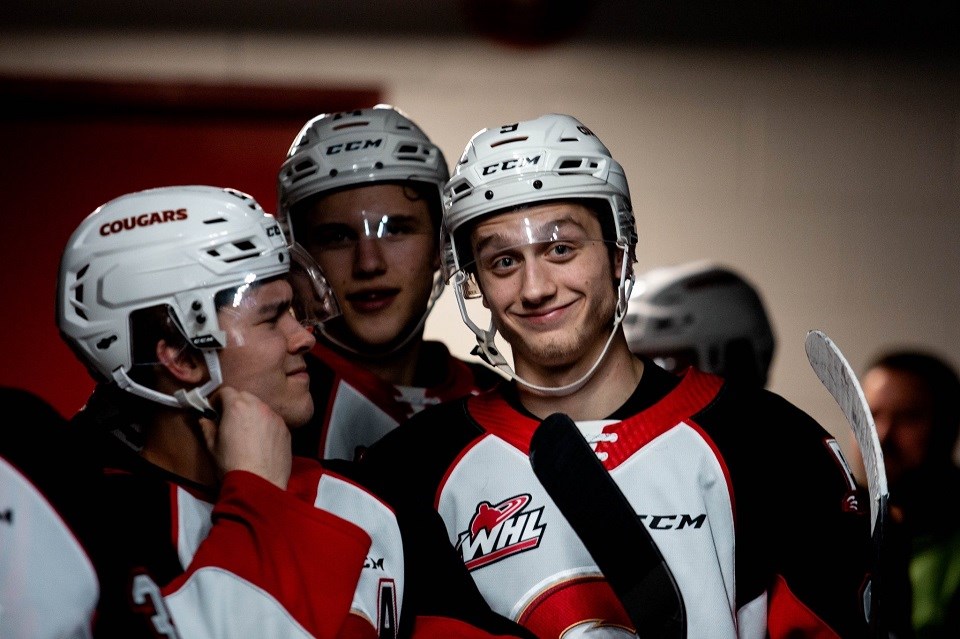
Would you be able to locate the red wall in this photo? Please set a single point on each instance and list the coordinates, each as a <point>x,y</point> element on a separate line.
<point>69,146</point>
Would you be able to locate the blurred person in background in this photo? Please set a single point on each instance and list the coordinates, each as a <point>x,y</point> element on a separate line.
<point>701,314</point>
<point>915,400</point>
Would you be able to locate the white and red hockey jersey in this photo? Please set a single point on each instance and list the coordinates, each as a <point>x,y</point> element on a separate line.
<point>323,558</point>
<point>748,499</point>
<point>353,407</point>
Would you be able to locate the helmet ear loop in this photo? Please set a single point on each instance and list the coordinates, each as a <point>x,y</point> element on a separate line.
<point>625,286</point>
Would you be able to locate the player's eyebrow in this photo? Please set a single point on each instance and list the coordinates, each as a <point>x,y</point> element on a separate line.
<point>542,233</point>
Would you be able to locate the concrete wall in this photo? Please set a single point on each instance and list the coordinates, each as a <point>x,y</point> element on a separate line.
<point>831,180</point>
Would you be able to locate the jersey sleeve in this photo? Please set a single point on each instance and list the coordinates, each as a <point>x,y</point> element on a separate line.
<point>799,517</point>
<point>258,558</point>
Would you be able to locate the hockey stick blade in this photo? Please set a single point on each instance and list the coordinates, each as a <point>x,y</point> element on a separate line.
<point>836,374</point>
<point>609,528</point>
<point>838,377</point>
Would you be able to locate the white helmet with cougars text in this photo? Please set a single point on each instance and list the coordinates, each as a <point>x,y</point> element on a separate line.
<point>173,246</point>
<point>553,157</point>
<point>701,314</point>
<point>353,148</point>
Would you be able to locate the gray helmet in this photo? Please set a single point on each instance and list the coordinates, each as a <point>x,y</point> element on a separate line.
<point>353,148</point>
<point>703,314</point>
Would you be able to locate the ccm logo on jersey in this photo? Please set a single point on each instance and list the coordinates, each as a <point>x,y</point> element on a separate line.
<point>354,145</point>
<point>500,531</point>
<point>144,219</point>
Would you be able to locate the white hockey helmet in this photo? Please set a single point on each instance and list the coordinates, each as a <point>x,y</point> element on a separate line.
<point>703,314</point>
<point>353,148</point>
<point>176,246</point>
<point>552,157</point>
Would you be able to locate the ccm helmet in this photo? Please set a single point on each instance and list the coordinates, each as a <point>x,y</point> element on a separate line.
<point>357,148</point>
<point>353,148</point>
<point>174,246</point>
<point>702,314</point>
<point>553,157</point>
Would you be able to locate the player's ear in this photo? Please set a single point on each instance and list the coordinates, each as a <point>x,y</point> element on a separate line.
<point>618,257</point>
<point>183,363</point>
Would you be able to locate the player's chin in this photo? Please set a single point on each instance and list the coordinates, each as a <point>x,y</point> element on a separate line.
<point>299,411</point>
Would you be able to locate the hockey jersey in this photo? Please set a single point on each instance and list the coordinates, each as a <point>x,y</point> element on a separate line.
<point>48,585</point>
<point>323,558</point>
<point>353,407</point>
<point>748,499</point>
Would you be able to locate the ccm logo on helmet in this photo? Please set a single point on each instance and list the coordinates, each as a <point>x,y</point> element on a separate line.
<point>512,163</point>
<point>355,145</point>
<point>144,219</point>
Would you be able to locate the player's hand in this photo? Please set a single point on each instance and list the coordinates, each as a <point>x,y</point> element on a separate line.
<point>250,437</point>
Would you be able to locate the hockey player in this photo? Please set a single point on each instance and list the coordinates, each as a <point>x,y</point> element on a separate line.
<point>179,300</point>
<point>701,314</point>
<point>360,191</point>
<point>747,498</point>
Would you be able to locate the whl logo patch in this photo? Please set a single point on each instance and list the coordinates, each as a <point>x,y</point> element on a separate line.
<point>498,531</point>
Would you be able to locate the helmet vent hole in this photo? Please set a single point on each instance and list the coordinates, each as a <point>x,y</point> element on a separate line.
<point>349,125</point>
<point>214,220</point>
<point>82,271</point>
<point>569,139</point>
<point>303,170</point>
<point>79,294</point>
<point>460,188</point>
<point>509,141</point>
<point>106,342</point>
<point>566,165</point>
<point>82,314</point>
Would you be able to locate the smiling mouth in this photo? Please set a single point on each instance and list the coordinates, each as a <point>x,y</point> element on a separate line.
<point>545,315</point>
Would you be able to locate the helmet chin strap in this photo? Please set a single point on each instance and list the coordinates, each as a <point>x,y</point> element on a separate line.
<point>487,350</point>
<point>195,398</point>
<point>438,286</point>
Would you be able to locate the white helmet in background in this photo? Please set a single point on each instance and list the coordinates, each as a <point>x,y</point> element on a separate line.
<point>356,148</point>
<point>701,314</point>
<point>177,247</point>
<point>553,157</point>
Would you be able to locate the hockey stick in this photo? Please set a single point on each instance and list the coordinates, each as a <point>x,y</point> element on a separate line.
<point>836,374</point>
<point>608,526</point>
